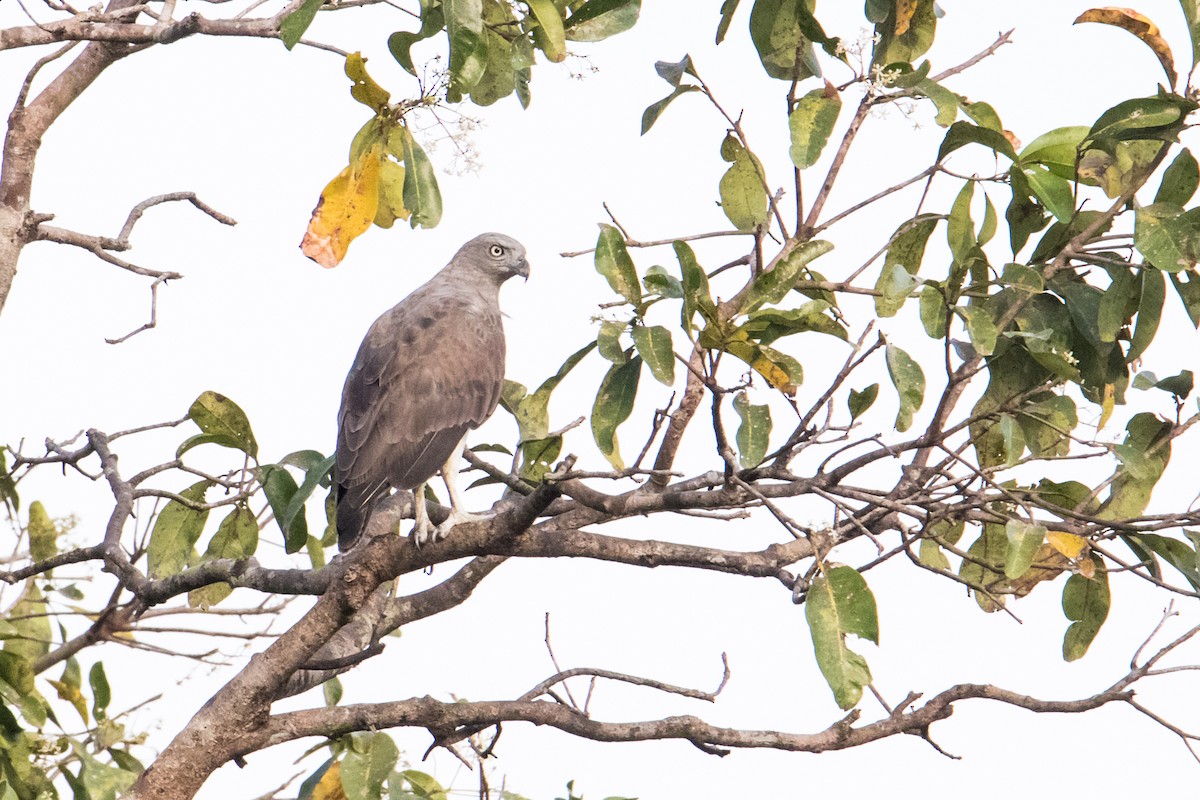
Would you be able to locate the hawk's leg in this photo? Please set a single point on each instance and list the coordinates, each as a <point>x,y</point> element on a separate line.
<point>423,531</point>
<point>457,512</point>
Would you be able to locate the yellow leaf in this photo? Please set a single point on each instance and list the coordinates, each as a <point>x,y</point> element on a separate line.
<point>330,785</point>
<point>1141,27</point>
<point>1107,404</point>
<point>365,90</point>
<point>391,194</point>
<point>774,374</point>
<point>347,208</point>
<point>73,696</point>
<point>904,14</point>
<point>1068,544</point>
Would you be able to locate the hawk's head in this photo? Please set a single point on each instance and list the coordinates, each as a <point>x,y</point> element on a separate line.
<point>498,256</point>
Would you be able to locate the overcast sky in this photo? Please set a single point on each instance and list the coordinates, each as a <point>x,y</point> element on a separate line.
<point>257,132</point>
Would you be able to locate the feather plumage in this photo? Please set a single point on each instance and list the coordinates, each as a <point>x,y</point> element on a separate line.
<point>428,370</point>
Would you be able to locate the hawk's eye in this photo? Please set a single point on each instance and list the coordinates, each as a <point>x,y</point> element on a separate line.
<point>496,251</point>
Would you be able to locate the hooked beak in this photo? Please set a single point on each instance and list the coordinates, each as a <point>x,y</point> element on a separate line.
<point>521,268</point>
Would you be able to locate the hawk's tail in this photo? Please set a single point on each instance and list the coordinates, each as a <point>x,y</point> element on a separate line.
<point>354,506</point>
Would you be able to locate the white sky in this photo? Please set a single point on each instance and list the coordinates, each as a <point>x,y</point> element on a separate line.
<point>257,132</point>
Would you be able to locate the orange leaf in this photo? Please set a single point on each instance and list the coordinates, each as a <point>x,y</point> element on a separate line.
<point>1068,544</point>
<point>330,785</point>
<point>904,14</point>
<point>1141,27</point>
<point>347,208</point>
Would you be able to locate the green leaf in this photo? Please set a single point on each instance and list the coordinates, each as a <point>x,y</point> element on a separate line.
<point>369,761</point>
<point>30,639</point>
<point>468,48</point>
<point>981,570</point>
<point>859,402</point>
<point>596,20</point>
<point>658,281</point>
<point>1175,552</point>
<point>8,487</point>
<point>42,533</point>
<point>1187,286</point>
<point>1012,438</point>
<point>696,293</point>
<point>840,603</point>
<point>811,122</point>
<point>931,555</point>
<point>318,475</point>
<point>236,536</point>
<point>400,43</point>
<point>753,435</point>
<point>426,787</point>
<point>743,196</point>
<point>1024,539</point>
<point>332,690</point>
<point>981,328</point>
<point>1045,422</point>
<point>945,101</point>
<point>983,114</point>
<point>906,33</point>
<point>960,228</point>
<point>1024,216</point>
<point>175,532</point>
<point>653,344</point>
<point>1180,385</point>
<point>218,416</point>
<point>101,694</point>
<point>961,134</point>
<point>673,71</point>
<point>728,7</point>
<point>909,381</point>
<point>1168,236</point>
<point>895,285</point>
<point>608,341</point>
<point>614,263</point>
<point>280,487</point>
<point>1139,118</point>
<point>1180,180</point>
<point>499,78</point>
<point>1191,12</point>
<point>1055,193</point>
<point>1085,602</point>
<point>532,410</point>
<point>1149,311</point>
<point>422,196</point>
<point>293,26</point>
<point>934,314</point>
<point>552,38</point>
<point>614,404</point>
<point>776,31</point>
<point>1111,313</point>
<point>1144,455</point>
<point>655,110</point>
<point>1056,149</point>
<point>906,251</point>
<point>771,287</point>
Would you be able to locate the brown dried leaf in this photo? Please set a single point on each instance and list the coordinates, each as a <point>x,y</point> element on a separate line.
<point>1141,27</point>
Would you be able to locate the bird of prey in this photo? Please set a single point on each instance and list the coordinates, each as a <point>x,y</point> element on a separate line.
<point>428,371</point>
